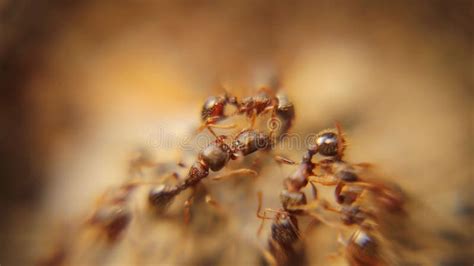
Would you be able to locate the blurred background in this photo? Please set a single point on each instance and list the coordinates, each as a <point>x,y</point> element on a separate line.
<point>86,83</point>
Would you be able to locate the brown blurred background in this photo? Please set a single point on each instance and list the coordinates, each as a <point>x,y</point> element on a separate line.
<point>85,82</point>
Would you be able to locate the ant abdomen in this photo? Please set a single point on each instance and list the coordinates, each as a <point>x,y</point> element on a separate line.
<point>161,197</point>
<point>285,230</point>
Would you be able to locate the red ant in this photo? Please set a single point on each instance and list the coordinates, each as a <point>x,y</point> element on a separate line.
<point>285,232</point>
<point>112,214</point>
<point>285,236</point>
<point>334,171</point>
<point>214,157</point>
<point>213,109</point>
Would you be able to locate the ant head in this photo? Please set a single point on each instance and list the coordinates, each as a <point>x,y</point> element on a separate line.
<point>330,143</point>
<point>213,107</point>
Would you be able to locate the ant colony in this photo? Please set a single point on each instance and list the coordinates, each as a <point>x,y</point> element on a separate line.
<point>354,213</point>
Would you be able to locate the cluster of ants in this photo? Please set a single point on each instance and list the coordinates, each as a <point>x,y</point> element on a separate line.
<point>350,187</point>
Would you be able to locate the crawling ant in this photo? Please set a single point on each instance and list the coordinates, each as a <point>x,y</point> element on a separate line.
<point>334,171</point>
<point>283,248</point>
<point>284,229</point>
<point>350,188</point>
<point>327,144</point>
<point>212,158</point>
<point>113,215</point>
<point>108,221</point>
<point>264,101</point>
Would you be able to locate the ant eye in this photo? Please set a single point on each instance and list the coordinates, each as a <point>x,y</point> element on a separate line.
<point>327,144</point>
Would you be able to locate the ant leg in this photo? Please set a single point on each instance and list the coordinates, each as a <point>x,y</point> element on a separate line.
<point>267,255</point>
<point>228,126</point>
<point>260,216</point>
<point>314,190</point>
<point>253,117</point>
<point>211,123</point>
<point>187,207</point>
<point>268,109</point>
<point>209,200</point>
<point>212,132</point>
<point>239,172</point>
<point>391,199</point>
<point>337,192</point>
<point>283,160</point>
<point>322,181</point>
<point>341,142</point>
<point>324,220</point>
<point>364,165</point>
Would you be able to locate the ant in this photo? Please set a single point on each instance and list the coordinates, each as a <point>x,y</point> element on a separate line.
<point>266,100</point>
<point>214,157</point>
<point>327,144</point>
<point>113,215</point>
<point>285,236</point>
<point>363,247</point>
<point>334,171</point>
<point>285,232</point>
<point>331,145</point>
<point>108,221</point>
